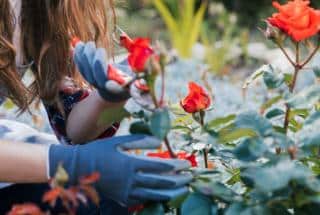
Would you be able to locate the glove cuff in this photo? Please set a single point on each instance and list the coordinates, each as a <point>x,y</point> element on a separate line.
<point>65,156</point>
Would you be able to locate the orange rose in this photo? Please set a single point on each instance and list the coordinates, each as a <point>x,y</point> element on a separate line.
<point>296,19</point>
<point>197,100</point>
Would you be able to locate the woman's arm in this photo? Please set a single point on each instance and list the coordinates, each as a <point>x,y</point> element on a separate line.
<point>23,163</point>
<point>85,122</point>
<point>121,180</point>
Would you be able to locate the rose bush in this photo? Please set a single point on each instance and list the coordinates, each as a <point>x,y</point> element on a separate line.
<point>263,161</point>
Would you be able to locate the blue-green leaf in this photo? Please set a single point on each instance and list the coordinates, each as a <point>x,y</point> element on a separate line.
<point>255,122</point>
<point>160,123</point>
<point>272,79</point>
<point>313,118</point>
<point>275,113</point>
<point>306,98</point>
<point>196,204</point>
<point>275,177</point>
<point>155,209</point>
<point>250,149</point>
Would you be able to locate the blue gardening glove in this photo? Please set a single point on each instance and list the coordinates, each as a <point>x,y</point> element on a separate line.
<point>127,179</point>
<point>111,80</point>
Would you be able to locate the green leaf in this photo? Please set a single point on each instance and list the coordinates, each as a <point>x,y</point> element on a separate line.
<point>306,98</point>
<point>196,204</point>
<point>255,122</point>
<point>313,118</point>
<point>270,102</point>
<point>220,122</point>
<point>160,123</point>
<point>155,209</point>
<point>176,203</point>
<point>214,210</point>
<point>294,125</point>
<point>108,116</point>
<point>217,190</point>
<point>236,209</point>
<point>270,178</point>
<point>258,73</point>
<point>236,134</point>
<point>310,140</point>
<point>303,113</point>
<point>288,77</point>
<point>316,71</point>
<point>250,149</point>
<point>242,209</point>
<point>140,127</point>
<point>272,79</point>
<point>279,129</point>
<point>274,113</point>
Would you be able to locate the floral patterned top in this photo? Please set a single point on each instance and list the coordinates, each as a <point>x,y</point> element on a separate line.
<point>69,98</point>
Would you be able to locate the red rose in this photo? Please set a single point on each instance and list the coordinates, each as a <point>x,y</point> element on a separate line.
<point>181,155</point>
<point>197,99</point>
<point>139,50</point>
<point>296,19</point>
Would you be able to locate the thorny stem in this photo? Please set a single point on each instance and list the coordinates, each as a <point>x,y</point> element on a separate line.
<point>297,68</point>
<point>158,105</point>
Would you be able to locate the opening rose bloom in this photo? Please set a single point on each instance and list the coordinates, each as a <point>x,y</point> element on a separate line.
<point>296,19</point>
<point>197,99</point>
<point>139,50</point>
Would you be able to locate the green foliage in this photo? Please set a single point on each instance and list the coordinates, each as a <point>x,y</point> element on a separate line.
<point>221,36</point>
<point>155,209</point>
<point>160,123</point>
<point>191,205</point>
<point>183,25</point>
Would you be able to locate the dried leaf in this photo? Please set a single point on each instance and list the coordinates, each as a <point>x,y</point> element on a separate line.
<point>26,209</point>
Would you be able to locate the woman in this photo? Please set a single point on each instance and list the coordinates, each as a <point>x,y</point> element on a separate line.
<point>47,30</point>
<point>125,179</point>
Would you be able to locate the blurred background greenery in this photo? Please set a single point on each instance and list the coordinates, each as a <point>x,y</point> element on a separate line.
<point>219,32</point>
<point>222,36</point>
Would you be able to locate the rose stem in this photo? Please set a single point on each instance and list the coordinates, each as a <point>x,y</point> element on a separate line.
<point>205,151</point>
<point>163,85</point>
<point>297,68</point>
<point>286,54</point>
<point>158,105</point>
<point>167,143</point>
